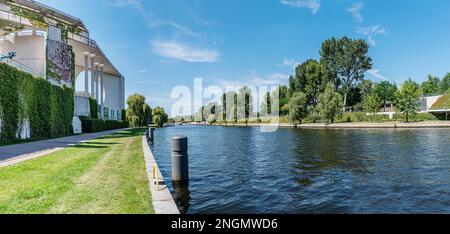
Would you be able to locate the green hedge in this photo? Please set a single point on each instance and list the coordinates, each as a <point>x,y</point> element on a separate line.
<point>49,108</point>
<point>355,117</point>
<point>416,117</point>
<point>98,125</point>
<point>93,107</point>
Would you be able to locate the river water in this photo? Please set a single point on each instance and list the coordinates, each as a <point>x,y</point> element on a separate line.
<point>243,170</point>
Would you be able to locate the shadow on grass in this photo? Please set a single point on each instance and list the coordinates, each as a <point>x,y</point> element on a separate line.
<point>100,143</point>
<point>126,133</point>
<point>84,146</point>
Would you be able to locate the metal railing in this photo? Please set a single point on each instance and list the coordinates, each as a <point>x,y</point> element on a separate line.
<point>23,67</point>
<point>6,15</point>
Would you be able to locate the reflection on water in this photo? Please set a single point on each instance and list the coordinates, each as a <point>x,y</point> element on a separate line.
<point>241,170</point>
<point>181,195</point>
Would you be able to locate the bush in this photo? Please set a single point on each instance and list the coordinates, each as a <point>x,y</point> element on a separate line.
<point>362,117</point>
<point>48,108</point>
<point>417,117</point>
<point>98,125</point>
<point>93,107</point>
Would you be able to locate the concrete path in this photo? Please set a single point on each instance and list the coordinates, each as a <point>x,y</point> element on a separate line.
<point>162,200</point>
<point>13,154</point>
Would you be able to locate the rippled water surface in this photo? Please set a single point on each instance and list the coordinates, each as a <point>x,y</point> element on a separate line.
<point>242,170</point>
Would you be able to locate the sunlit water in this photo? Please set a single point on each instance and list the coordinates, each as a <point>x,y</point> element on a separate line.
<point>242,170</point>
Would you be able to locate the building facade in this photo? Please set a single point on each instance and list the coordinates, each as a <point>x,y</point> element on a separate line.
<point>55,46</point>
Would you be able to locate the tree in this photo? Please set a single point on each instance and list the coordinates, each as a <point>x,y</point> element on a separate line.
<point>345,61</point>
<point>159,116</point>
<point>431,86</point>
<point>308,80</point>
<point>330,103</point>
<point>230,106</point>
<point>408,98</point>
<point>365,87</point>
<point>266,105</point>
<point>281,93</point>
<point>224,107</point>
<point>138,112</point>
<point>371,103</point>
<point>445,83</point>
<point>385,91</point>
<point>298,107</point>
<point>245,103</point>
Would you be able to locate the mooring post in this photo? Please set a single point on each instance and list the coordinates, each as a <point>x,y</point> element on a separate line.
<point>180,167</point>
<point>152,134</point>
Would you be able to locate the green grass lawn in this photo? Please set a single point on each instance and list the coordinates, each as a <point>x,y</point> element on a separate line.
<point>105,175</point>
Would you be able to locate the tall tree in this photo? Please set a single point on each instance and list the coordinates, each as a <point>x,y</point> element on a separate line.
<point>330,103</point>
<point>266,105</point>
<point>245,102</point>
<point>309,80</point>
<point>224,107</point>
<point>408,98</point>
<point>371,103</point>
<point>385,92</point>
<point>298,107</point>
<point>281,93</point>
<point>345,61</point>
<point>445,84</point>
<point>159,116</point>
<point>138,112</point>
<point>431,86</point>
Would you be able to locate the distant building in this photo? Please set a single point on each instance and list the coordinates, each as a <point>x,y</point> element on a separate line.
<point>44,38</point>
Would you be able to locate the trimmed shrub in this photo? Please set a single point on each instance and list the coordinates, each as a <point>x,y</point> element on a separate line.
<point>98,125</point>
<point>93,107</point>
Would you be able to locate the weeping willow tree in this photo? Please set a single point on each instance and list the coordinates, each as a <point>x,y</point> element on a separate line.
<point>138,112</point>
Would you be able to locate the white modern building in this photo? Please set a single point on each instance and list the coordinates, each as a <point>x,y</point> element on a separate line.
<point>43,39</point>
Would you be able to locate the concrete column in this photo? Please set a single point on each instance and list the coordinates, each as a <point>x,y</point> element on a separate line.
<point>96,78</point>
<point>122,93</point>
<point>101,90</point>
<point>86,72</point>
<point>92,74</point>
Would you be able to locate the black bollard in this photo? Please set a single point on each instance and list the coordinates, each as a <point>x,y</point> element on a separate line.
<point>152,135</point>
<point>180,167</point>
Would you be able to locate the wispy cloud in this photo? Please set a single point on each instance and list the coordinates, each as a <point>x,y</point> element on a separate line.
<point>268,80</point>
<point>181,51</point>
<point>370,32</point>
<point>313,5</point>
<point>290,63</point>
<point>355,10</point>
<point>376,73</point>
<point>127,3</point>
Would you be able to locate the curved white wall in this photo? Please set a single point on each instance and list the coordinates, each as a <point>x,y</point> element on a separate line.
<point>29,48</point>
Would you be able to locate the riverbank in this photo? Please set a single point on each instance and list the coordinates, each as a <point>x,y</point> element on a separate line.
<point>106,175</point>
<point>391,124</point>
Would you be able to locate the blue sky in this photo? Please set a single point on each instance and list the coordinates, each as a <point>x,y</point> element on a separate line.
<point>159,44</point>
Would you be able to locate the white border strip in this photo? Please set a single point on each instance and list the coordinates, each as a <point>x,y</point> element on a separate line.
<point>162,200</point>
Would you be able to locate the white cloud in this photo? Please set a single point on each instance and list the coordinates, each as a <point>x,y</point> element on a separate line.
<point>127,3</point>
<point>376,73</point>
<point>268,80</point>
<point>371,30</point>
<point>178,50</point>
<point>143,70</point>
<point>291,63</point>
<point>313,5</point>
<point>355,9</point>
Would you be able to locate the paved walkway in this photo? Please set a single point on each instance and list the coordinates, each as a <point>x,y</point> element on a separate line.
<point>13,154</point>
